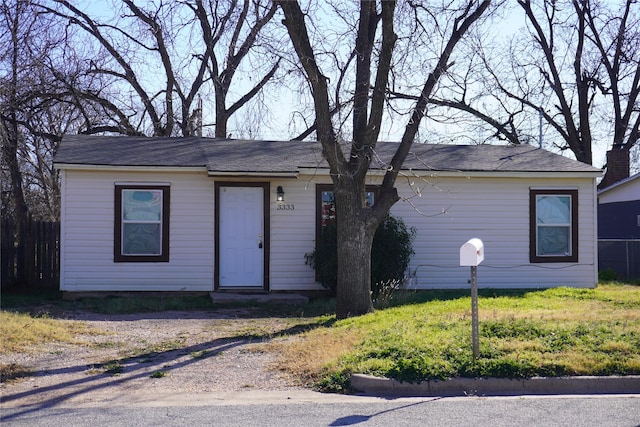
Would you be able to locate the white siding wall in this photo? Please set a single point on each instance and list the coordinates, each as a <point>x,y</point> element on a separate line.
<point>293,234</point>
<point>449,212</point>
<point>88,215</point>
<point>623,193</point>
<point>453,210</point>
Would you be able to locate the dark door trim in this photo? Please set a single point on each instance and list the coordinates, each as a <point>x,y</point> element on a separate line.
<point>266,191</point>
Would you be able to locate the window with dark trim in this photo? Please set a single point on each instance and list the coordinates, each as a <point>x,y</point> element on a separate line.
<point>553,226</point>
<point>141,232</point>
<point>326,205</point>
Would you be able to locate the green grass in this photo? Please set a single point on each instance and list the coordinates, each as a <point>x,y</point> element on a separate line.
<point>523,333</point>
<point>158,374</point>
<point>422,335</point>
<point>52,303</point>
<point>113,367</point>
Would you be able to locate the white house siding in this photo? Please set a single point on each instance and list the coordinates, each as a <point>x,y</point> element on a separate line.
<point>453,210</point>
<point>449,211</point>
<point>292,236</point>
<point>87,234</point>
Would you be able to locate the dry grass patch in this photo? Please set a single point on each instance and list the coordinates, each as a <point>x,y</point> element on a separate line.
<point>12,371</point>
<point>22,332</point>
<point>307,357</point>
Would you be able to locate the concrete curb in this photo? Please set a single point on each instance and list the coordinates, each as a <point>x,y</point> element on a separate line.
<point>376,386</point>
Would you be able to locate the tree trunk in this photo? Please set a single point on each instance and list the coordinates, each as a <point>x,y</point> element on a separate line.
<point>221,111</point>
<point>353,293</point>
<point>11,143</point>
<point>10,157</point>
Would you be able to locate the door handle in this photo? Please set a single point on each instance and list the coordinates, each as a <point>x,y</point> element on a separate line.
<point>260,244</point>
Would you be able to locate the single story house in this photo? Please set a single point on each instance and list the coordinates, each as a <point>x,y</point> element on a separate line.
<point>619,227</point>
<point>201,214</point>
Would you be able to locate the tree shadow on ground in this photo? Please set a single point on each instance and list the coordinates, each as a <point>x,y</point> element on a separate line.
<point>152,306</point>
<point>116,372</point>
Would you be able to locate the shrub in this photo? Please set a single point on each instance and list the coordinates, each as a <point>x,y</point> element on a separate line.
<point>391,251</point>
<point>390,254</point>
<point>607,275</point>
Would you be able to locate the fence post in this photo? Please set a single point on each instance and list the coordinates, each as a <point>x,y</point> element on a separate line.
<point>628,253</point>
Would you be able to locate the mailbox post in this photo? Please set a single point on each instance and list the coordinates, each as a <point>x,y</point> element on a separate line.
<point>472,254</point>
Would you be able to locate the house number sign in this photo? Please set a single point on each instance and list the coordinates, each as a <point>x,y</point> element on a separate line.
<point>283,207</point>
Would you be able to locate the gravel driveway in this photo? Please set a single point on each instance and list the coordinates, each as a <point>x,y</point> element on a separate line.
<point>168,352</point>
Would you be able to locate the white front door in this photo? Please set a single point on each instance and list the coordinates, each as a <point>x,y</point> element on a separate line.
<point>241,237</point>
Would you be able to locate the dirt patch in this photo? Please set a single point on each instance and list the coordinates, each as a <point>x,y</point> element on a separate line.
<point>168,352</point>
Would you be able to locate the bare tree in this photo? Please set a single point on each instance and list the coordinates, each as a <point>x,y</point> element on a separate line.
<point>576,68</point>
<point>373,49</point>
<point>38,96</point>
<point>56,80</point>
<point>616,36</point>
<point>33,110</point>
<point>17,25</point>
<point>242,26</point>
<point>193,48</point>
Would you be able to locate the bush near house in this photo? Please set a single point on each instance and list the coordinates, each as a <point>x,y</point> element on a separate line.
<point>390,254</point>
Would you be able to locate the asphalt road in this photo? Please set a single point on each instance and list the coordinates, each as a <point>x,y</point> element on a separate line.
<point>312,409</point>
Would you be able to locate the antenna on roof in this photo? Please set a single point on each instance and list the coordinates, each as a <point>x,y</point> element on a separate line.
<point>540,127</point>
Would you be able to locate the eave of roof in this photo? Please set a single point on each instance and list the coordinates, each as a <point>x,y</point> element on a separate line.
<point>471,174</point>
<point>266,174</point>
<point>619,183</point>
<point>223,157</point>
<point>146,168</point>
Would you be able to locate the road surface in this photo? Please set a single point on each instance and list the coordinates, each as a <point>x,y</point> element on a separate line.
<point>308,409</point>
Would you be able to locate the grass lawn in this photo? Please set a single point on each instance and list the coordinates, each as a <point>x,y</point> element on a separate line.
<point>553,332</point>
<point>426,335</point>
<point>20,331</point>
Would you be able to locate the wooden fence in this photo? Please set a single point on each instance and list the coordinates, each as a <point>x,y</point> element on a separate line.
<point>30,254</point>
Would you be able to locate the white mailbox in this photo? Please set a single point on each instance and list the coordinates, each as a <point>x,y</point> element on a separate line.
<point>472,252</point>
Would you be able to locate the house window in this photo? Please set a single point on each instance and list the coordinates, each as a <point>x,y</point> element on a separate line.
<point>553,226</point>
<point>326,205</point>
<point>141,223</point>
<point>326,208</point>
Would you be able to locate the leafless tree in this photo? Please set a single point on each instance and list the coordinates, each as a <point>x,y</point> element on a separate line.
<point>16,25</point>
<point>241,25</point>
<point>38,96</point>
<point>164,57</point>
<point>576,68</point>
<point>373,44</point>
<point>29,121</point>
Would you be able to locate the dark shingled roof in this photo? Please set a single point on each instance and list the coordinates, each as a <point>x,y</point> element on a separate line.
<point>248,156</point>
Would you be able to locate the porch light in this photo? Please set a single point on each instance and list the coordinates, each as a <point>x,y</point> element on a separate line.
<point>280,192</point>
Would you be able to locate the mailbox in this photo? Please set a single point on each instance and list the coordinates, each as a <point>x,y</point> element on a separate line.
<point>472,252</point>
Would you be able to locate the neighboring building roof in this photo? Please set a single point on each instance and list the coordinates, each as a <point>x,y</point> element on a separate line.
<point>266,157</point>
<point>622,183</point>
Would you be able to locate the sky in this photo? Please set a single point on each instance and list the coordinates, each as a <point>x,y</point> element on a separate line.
<point>283,104</point>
